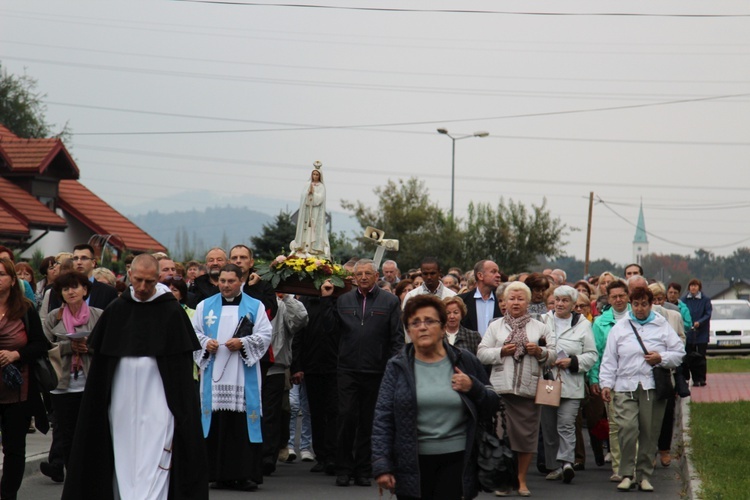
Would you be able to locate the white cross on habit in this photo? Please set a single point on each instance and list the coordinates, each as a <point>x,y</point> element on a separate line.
<point>210,318</point>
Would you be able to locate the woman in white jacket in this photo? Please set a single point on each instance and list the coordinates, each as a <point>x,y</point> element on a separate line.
<point>517,347</point>
<point>626,377</point>
<point>576,354</point>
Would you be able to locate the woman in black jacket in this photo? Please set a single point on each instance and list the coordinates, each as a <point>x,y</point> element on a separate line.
<point>430,402</point>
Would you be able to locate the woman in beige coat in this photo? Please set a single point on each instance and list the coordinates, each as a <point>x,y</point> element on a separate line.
<point>518,347</point>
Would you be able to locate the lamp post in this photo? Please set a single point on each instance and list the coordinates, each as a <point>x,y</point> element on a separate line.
<point>453,158</point>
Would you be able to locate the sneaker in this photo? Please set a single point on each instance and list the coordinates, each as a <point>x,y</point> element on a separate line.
<point>307,456</point>
<point>626,484</point>
<point>292,456</point>
<point>608,458</point>
<point>645,485</point>
<point>615,477</point>
<point>568,473</point>
<point>555,475</point>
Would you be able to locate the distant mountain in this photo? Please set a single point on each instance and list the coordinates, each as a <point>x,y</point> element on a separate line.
<point>190,233</point>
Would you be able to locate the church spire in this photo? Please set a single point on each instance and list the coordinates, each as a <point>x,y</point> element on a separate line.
<point>640,240</point>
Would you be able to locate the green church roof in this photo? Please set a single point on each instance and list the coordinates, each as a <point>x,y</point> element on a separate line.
<point>640,231</point>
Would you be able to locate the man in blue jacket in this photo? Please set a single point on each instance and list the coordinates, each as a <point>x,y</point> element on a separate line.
<point>370,329</point>
<point>697,337</point>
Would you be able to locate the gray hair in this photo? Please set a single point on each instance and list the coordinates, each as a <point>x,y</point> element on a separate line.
<point>517,286</point>
<point>365,262</point>
<point>633,280</point>
<point>500,290</point>
<point>390,262</point>
<point>566,291</point>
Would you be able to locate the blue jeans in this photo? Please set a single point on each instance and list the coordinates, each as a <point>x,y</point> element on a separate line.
<point>298,403</point>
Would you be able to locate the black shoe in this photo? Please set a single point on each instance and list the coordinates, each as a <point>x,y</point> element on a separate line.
<point>246,485</point>
<point>542,468</point>
<point>318,467</point>
<point>222,485</point>
<point>342,480</point>
<point>579,466</point>
<point>362,481</point>
<point>268,468</point>
<point>56,473</point>
<point>330,469</point>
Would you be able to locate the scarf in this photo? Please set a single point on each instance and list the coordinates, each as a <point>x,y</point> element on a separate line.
<point>71,322</point>
<point>518,334</point>
<point>650,317</point>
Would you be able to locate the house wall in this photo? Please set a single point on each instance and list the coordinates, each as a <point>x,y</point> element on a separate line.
<point>59,241</point>
<point>741,292</point>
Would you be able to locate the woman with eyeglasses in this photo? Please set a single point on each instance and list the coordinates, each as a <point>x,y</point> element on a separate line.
<point>430,402</point>
<point>583,306</point>
<point>518,347</point>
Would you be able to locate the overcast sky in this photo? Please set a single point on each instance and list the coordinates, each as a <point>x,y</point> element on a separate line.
<point>653,107</point>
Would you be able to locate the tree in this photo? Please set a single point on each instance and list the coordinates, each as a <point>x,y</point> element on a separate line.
<point>275,237</point>
<point>22,109</point>
<point>406,213</point>
<point>512,236</point>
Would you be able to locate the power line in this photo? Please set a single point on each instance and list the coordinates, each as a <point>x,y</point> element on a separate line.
<point>459,11</point>
<point>376,71</point>
<point>683,245</point>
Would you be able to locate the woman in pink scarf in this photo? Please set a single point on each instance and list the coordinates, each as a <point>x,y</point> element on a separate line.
<point>75,316</point>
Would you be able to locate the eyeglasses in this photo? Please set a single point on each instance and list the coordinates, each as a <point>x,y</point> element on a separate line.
<point>81,258</point>
<point>581,306</point>
<point>428,323</point>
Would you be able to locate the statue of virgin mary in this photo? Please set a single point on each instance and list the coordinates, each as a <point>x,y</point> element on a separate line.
<point>311,239</point>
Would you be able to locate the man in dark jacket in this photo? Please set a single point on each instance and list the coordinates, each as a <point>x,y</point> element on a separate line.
<point>697,337</point>
<point>315,351</point>
<point>369,322</point>
<point>481,303</point>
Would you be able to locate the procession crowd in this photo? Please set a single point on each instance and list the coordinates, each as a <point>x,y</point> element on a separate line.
<point>393,380</point>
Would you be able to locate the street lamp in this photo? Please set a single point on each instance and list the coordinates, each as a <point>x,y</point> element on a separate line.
<point>453,158</point>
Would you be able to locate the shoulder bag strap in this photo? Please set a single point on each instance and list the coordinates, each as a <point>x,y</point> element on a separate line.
<point>645,351</point>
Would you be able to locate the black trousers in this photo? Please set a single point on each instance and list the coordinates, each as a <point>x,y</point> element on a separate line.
<point>66,408</point>
<point>440,477</point>
<point>695,362</point>
<point>667,424</point>
<point>14,423</point>
<point>358,393</point>
<point>323,400</point>
<point>272,397</point>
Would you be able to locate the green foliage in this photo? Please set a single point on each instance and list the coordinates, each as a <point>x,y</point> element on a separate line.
<point>728,365</point>
<point>22,109</point>
<point>36,260</point>
<point>510,234</point>
<point>275,237</point>
<point>343,247</point>
<point>720,436</point>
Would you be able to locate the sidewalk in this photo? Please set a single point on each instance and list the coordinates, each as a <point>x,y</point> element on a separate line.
<point>723,388</point>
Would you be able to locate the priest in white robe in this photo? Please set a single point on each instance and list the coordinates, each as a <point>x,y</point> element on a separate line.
<point>234,332</point>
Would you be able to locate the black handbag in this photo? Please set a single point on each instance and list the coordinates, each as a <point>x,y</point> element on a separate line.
<point>662,376</point>
<point>496,465</point>
<point>12,376</point>
<point>44,373</point>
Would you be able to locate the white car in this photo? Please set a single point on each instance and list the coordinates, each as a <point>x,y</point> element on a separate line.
<point>730,327</point>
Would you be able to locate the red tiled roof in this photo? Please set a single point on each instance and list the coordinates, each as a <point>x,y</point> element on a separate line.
<point>34,155</point>
<point>26,208</point>
<point>10,225</point>
<point>101,218</point>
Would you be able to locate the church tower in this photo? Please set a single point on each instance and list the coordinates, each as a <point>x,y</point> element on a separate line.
<point>640,241</point>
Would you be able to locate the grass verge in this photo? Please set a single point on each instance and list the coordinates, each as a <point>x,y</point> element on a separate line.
<point>720,435</point>
<point>728,365</point>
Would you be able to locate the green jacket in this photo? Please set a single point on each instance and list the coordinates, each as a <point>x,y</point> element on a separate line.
<point>686,318</point>
<point>601,327</point>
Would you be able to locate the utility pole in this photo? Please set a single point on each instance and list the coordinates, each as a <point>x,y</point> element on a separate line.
<point>588,234</point>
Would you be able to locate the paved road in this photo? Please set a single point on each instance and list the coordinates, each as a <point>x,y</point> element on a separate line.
<point>292,481</point>
<point>723,387</point>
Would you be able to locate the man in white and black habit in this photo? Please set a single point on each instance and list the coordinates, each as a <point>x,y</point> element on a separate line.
<point>139,434</point>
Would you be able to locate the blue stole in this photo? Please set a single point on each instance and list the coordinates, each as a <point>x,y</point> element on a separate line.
<point>212,309</point>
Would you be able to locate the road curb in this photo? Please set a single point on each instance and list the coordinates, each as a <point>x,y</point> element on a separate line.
<point>690,480</point>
